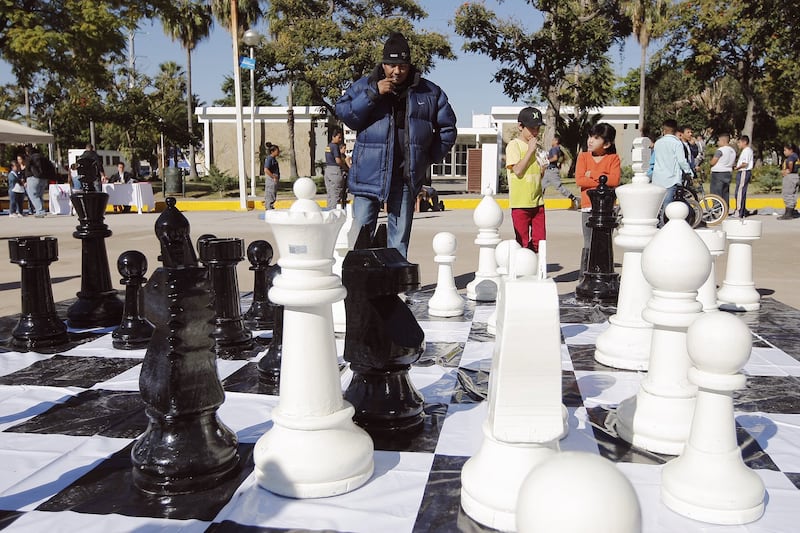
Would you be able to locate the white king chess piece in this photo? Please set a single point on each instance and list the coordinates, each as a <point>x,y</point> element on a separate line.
<point>313,448</point>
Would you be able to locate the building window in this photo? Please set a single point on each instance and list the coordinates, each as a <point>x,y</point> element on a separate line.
<point>455,162</point>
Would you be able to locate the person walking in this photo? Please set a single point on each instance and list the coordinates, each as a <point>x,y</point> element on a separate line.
<point>744,166</point>
<point>552,174</point>
<point>722,168</point>
<point>34,183</point>
<point>404,123</point>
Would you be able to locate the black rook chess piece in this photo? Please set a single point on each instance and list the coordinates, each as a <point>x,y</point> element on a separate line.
<point>261,314</point>
<point>185,447</point>
<point>383,339</point>
<point>97,304</point>
<point>600,284</point>
<point>135,331</point>
<point>232,339</point>
<point>39,326</point>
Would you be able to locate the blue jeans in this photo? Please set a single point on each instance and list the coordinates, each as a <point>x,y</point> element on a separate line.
<point>34,187</point>
<point>668,198</point>
<point>400,207</point>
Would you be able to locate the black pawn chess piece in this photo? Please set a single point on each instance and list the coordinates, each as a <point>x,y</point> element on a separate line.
<point>232,339</point>
<point>600,284</point>
<point>383,340</point>
<point>261,314</point>
<point>269,366</point>
<point>98,304</point>
<point>135,331</point>
<point>185,447</point>
<point>38,327</point>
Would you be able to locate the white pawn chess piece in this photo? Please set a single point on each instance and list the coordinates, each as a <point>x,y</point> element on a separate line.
<point>526,417</point>
<point>313,448</point>
<point>738,291</point>
<point>345,240</point>
<point>626,342</point>
<point>709,481</point>
<point>503,253</point>
<point>578,492</point>
<point>445,302</point>
<point>715,241</point>
<point>675,264</point>
<point>488,216</point>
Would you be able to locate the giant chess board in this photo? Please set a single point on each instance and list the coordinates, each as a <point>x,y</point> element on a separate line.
<point>68,421</point>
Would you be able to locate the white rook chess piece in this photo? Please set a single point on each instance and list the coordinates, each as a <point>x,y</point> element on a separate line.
<point>715,241</point>
<point>626,342</point>
<point>488,216</point>
<point>526,417</point>
<point>313,448</point>
<point>738,292</point>
<point>502,254</point>
<point>675,264</point>
<point>445,301</point>
<point>578,492</point>
<point>709,481</point>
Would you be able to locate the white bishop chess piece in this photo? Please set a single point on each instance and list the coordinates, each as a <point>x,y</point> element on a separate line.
<point>488,216</point>
<point>709,481</point>
<point>313,448</point>
<point>445,302</point>
<point>675,264</point>
<point>526,418</point>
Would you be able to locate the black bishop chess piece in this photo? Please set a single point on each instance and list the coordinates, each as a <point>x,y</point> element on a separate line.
<point>39,327</point>
<point>186,448</point>
<point>135,331</point>
<point>98,304</point>
<point>600,284</point>
<point>383,339</point>
<point>232,340</point>
<point>261,314</point>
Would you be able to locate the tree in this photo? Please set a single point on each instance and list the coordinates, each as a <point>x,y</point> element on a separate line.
<point>647,17</point>
<point>565,60</point>
<point>189,22</point>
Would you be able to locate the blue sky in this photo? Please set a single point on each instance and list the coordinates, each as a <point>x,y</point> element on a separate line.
<point>466,80</point>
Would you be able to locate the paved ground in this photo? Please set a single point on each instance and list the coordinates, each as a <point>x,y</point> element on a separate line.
<point>776,261</point>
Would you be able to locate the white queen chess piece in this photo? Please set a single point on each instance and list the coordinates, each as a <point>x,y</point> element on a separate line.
<point>675,264</point>
<point>488,216</point>
<point>445,302</point>
<point>738,291</point>
<point>709,481</point>
<point>313,449</point>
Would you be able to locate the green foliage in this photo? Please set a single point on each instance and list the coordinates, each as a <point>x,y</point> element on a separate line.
<point>502,181</point>
<point>219,181</point>
<point>767,178</point>
<point>626,175</point>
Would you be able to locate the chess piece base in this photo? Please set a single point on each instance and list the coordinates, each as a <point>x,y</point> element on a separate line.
<point>132,335</point>
<point>714,488</point>
<point>385,400</point>
<point>658,424</point>
<point>598,287</point>
<point>738,297</point>
<point>491,479</point>
<point>103,310</point>
<point>313,457</point>
<point>48,333</point>
<point>624,345</point>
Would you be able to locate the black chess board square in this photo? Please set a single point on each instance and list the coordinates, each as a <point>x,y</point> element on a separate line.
<point>247,380</point>
<point>108,488</point>
<point>8,517</point>
<point>423,441</point>
<point>118,414</point>
<point>770,394</point>
<point>66,371</point>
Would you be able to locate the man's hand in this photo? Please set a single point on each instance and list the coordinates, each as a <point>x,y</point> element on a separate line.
<point>386,86</point>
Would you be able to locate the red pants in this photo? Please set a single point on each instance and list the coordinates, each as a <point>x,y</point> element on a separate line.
<point>529,226</point>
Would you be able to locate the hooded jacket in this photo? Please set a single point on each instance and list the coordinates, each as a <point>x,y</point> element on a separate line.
<point>430,132</point>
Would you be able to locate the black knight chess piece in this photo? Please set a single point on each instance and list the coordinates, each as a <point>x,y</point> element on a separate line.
<point>600,284</point>
<point>98,304</point>
<point>135,331</point>
<point>185,447</point>
<point>383,339</point>
<point>38,327</point>
<point>261,314</point>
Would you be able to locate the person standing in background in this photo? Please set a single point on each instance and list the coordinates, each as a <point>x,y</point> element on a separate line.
<point>552,174</point>
<point>722,168</point>
<point>745,167</point>
<point>272,173</point>
<point>16,191</point>
<point>791,180</point>
<point>334,161</point>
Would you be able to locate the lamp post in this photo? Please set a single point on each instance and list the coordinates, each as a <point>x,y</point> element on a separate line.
<point>252,38</point>
<point>237,93</point>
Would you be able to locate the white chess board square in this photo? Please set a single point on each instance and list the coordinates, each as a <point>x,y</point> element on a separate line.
<point>249,415</point>
<point>575,334</point>
<point>19,403</point>
<point>777,434</point>
<point>388,502</point>
<point>771,362</point>
<point>92,523</point>
<point>129,380</point>
<point>445,330</point>
<point>482,313</point>
<point>11,362</point>
<point>434,382</point>
<point>102,347</point>
<point>607,389</point>
<point>477,355</point>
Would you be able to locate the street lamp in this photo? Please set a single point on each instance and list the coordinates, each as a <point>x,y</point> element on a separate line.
<point>252,38</point>
<point>237,94</point>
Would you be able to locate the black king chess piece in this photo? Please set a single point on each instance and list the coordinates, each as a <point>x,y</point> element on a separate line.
<point>39,327</point>
<point>600,284</point>
<point>185,447</point>
<point>135,331</point>
<point>98,304</point>
<point>383,339</point>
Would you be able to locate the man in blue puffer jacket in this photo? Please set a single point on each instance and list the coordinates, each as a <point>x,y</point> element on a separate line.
<point>404,124</point>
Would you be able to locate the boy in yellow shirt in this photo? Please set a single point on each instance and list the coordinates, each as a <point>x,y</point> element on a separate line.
<point>525,192</point>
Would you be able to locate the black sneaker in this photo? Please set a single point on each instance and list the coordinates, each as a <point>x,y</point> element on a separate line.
<point>787,215</point>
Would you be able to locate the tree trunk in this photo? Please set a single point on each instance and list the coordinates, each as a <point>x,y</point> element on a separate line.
<point>189,115</point>
<point>290,123</point>
<point>747,129</point>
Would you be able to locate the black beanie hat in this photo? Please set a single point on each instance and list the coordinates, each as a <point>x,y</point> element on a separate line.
<point>396,50</point>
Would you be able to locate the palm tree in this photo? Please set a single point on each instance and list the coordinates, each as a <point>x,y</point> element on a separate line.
<point>189,22</point>
<point>646,17</point>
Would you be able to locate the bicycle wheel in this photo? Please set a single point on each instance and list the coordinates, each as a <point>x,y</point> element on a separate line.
<point>714,209</point>
<point>695,212</point>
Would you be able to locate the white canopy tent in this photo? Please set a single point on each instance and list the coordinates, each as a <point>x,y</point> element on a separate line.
<point>11,132</point>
